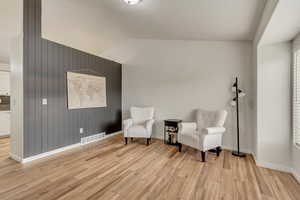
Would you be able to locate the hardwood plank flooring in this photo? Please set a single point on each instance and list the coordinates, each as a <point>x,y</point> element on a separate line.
<point>110,170</point>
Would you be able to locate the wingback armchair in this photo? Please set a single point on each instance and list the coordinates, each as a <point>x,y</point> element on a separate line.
<point>140,124</point>
<point>204,134</point>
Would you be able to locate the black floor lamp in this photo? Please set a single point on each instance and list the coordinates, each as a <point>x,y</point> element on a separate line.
<point>235,102</point>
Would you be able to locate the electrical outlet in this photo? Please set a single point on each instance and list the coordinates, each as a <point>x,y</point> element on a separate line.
<point>81,130</point>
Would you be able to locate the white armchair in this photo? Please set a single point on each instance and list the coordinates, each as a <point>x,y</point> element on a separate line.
<point>140,124</point>
<point>205,134</point>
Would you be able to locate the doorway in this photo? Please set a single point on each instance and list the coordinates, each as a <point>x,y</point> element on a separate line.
<point>5,111</point>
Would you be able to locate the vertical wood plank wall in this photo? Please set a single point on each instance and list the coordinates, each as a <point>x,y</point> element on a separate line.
<point>45,65</point>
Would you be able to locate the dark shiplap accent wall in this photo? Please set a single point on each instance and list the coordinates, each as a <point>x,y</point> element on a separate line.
<point>45,65</point>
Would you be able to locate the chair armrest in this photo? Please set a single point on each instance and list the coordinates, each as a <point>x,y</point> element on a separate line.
<point>187,127</point>
<point>213,130</point>
<point>127,123</point>
<point>149,124</point>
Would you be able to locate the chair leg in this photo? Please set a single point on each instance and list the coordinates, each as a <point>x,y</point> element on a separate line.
<point>180,147</point>
<point>148,141</point>
<point>203,156</point>
<point>132,139</point>
<point>125,140</point>
<point>218,151</point>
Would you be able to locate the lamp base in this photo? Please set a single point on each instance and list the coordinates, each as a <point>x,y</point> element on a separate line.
<point>239,154</point>
<point>215,150</point>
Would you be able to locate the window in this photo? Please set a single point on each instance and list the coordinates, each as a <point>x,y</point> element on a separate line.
<point>296,98</point>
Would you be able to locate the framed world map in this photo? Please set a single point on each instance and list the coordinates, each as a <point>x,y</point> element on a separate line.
<point>86,91</point>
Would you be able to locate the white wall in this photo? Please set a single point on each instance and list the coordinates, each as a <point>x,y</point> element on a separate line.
<point>269,8</point>
<point>274,106</point>
<point>177,77</point>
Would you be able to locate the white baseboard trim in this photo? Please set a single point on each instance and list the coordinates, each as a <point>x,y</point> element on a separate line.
<point>278,167</point>
<point>49,153</point>
<point>92,138</point>
<point>274,166</point>
<point>113,134</point>
<point>15,157</point>
<point>271,165</point>
<point>46,154</point>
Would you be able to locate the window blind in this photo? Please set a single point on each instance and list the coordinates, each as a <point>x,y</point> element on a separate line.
<point>296,98</point>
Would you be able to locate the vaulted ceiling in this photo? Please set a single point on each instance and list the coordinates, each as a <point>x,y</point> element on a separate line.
<point>98,25</point>
<point>189,20</point>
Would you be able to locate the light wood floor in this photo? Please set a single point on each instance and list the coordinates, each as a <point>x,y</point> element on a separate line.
<point>110,170</point>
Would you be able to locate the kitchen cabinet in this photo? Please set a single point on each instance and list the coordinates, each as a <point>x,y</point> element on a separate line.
<point>4,123</point>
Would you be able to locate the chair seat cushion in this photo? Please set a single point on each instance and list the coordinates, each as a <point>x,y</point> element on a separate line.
<point>191,139</point>
<point>202,142</point>
<point>137,131</point>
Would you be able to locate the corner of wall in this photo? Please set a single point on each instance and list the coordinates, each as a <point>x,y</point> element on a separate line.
<point>16,72</point>
<point>296,174</point>
<point>268,12</point>
<point>270,165</point>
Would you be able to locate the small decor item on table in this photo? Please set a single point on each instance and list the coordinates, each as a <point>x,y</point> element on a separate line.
<point>235,102</point>
<point>171,131</point>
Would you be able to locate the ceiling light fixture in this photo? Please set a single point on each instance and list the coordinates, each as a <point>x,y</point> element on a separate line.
<point>132,2</point>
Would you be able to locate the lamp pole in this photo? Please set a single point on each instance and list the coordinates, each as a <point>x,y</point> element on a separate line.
<point>237,91</point>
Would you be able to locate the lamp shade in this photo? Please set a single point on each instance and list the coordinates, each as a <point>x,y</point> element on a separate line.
<point>242,94</point>
<point>233,103</point>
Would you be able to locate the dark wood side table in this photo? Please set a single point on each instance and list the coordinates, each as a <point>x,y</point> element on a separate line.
<point>171,131</point>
